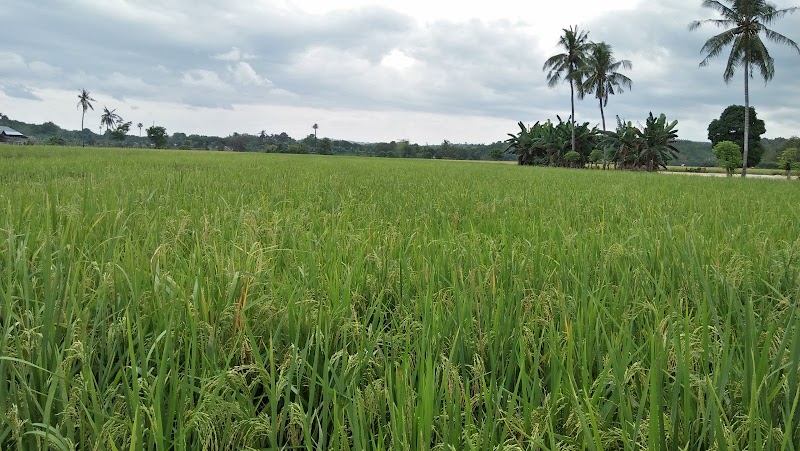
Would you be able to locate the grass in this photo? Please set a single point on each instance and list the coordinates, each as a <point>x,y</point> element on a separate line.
<point>193,300</point>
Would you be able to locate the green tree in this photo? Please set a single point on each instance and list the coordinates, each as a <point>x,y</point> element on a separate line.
<point>84,103</point>
<point>109,118</point>
<point>237,142</point>
<point>745,21</point>
<point>731,127</point>
<point>597,155</point>
<point>496,153</point>
<point>403,149</point>
<point>120,132</point>
<point>308,141</point>
<point>729,156</point>
<point>157,135</point>
<point>789,159</point>
<point>325,147</point>
<point>602,78</point>
<point>565,66</point>
<point>176,139</point>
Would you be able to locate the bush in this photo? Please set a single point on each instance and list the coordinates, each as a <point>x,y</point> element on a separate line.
<point>729,156</point>
<point>572,157</point>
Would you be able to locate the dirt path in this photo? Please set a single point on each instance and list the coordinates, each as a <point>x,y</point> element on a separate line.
<point>715,174</point>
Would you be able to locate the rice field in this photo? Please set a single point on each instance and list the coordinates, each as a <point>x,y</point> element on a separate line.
<point>168,300</point>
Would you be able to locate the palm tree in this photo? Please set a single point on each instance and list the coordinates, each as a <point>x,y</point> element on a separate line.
<point>85,102</point>
<point>602,78</point>
<point>745,20</point>
<point>109,118</point>
<point>565,66</point>
<point>140,125</point>
<point>315,127</point>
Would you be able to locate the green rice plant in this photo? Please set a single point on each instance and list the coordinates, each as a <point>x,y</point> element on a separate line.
<point>217,301</point>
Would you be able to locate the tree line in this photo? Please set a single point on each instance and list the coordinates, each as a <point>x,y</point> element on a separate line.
<point>50,133</point>
<point>691,153</point>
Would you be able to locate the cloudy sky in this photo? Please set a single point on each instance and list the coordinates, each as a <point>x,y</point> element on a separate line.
<point>365,70</point>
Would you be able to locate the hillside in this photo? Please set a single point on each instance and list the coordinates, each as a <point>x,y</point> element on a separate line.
<point>694,153</point>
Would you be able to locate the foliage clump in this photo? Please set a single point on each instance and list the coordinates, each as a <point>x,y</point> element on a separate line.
<point>649,147</point>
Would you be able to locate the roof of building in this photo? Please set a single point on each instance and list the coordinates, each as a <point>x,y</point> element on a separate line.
<point>8,131</point>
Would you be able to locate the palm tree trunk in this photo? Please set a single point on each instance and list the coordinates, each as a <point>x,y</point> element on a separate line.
<point>572,102</point>
<point>746,115</point>
<point>83,137</point>
<point>605,148</point>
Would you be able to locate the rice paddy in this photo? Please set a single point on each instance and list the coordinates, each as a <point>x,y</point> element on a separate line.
<point>218,301</point>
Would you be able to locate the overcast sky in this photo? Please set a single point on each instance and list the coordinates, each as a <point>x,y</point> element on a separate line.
<point>366,70</point>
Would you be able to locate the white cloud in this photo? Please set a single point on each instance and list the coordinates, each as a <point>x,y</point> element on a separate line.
<point>243,74</point>
<point>397,59</point>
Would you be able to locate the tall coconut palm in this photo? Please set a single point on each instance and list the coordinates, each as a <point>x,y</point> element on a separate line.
<point>140,125</point>
<point>745,21</point>
<point>601,77</point>
<point>84,102</point>
<point>109,118</point>
<point>315,127</point>
<point>565,66</point>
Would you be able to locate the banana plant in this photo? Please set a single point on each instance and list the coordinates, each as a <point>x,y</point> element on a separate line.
<point>657,140</point>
